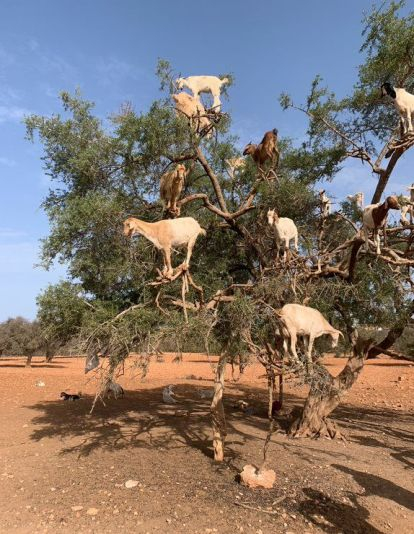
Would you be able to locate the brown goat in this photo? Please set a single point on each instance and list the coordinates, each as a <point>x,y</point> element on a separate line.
<point>267,150</point>
<point>171,185</point>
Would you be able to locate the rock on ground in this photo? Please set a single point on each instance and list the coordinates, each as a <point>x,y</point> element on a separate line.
<point>253,478</point>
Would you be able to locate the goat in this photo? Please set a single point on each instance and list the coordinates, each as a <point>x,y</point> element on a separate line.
<point>234,164</point>
<point>171,185</point>
<point>358,198</point>
<point>403,102</point>
<point>204,84</point>
<point>69,397</point>
<point>408,207</point>
<point>298,320</point>
<point>113,388</point>
<point>374,218</point>
<point>168,395</point>
<point>326,204</point>
<point>285,230</point>
<point>194,110</point>
<point>166,234</point>
<point>265,151</point>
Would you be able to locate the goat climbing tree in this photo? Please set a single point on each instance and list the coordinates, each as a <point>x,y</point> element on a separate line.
<point>101,176</point>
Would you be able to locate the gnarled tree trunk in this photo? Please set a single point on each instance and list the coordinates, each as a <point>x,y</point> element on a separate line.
<point>326,392</point>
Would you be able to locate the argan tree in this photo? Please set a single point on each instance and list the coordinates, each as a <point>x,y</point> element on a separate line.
<point>228,302</point>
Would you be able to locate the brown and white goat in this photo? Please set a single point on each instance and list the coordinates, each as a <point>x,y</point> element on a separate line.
<point>171,185</point>
<point>374,218</point>
<point>267,150</point>
<point>403,102</point>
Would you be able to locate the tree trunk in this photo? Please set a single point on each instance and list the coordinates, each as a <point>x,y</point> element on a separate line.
<point>217,411</point>
<point>29,360</point>
<point>326,392</point>
<point>49,354</point>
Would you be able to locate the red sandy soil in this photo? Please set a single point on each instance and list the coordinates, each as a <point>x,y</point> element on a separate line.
<point>54,455</point>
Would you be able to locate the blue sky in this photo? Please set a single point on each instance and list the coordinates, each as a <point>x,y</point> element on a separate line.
<point>110,49</point>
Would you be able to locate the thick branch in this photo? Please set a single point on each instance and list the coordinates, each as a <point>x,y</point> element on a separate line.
<point>214,180</point>
<point>394,333</point>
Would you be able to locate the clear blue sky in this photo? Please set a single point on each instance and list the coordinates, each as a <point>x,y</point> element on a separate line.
<point>110,49</point>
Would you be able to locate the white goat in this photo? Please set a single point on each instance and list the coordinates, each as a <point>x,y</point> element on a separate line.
<point>403,102</point>
<point>374,218</point>
<point>298,320</point>
<point>204,84</point>
<point>194,110</point>
<point>285,230</point>
<point>358,198</point>
<point>234,164</point>
<point>408,207</point>
<point>165,235</point>
<point>326,204</point>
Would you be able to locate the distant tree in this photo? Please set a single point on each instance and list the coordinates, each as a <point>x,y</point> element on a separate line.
<point>102,175</point>
<point>20,337</point>
<point>61,311</point>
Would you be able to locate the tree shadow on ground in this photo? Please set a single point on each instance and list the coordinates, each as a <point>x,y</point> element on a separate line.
<point>33,366</point>
<point>381,487</point>
<point>141,419</point>
<point>334,517</point>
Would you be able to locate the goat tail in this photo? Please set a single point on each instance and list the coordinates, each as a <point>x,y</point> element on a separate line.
<point>203,232</point>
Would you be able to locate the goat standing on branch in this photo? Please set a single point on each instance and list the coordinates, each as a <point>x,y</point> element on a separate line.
<point>358,198</point>
<point>165,235</point>
<point>171,185</point>
<point>408,207</point>
<point>267,150</point>
<point>375,218</point>
<point>234,164</point>
<point>326,204</point>
<point>204,84</point>
<point>404,103</point>
<point>298,320</point>
<point>285,230</point>
<point>194,110</point>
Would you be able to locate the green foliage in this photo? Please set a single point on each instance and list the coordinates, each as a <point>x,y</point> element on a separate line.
<point>20,337</point>
<point>101,175</point>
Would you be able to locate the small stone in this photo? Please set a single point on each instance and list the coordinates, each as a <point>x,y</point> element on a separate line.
<point>92,511</point>
<point>76,508</point>
<point>131,484</point>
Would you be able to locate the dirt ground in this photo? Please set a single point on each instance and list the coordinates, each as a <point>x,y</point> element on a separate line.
<point>63,470</point>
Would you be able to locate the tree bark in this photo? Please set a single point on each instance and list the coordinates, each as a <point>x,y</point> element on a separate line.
<point>217,411</point>
<point>326,392</point>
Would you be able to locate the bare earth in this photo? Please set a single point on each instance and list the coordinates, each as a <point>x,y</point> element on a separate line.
<point>58,463</point>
